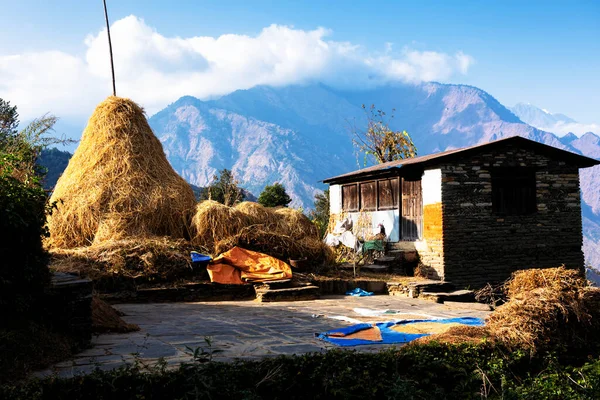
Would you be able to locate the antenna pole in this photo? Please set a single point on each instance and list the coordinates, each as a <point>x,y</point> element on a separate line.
<point>112,65</point>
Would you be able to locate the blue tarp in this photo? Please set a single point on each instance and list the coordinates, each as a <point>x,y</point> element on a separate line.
<point>388,335</point>
<point>358,292</point>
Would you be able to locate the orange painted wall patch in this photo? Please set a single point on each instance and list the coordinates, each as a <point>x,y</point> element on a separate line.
<point>432,221</point>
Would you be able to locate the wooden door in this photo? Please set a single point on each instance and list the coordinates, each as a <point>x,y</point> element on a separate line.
<point>412,210</point>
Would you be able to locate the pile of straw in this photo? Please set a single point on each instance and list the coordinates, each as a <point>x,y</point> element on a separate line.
<point>122,263</point>
<point>107,319</point>
<point>296,224</point>
<point>118,184</point>
<point>546,307</point>
<point>214,222</point>
<point>282,233</point>
<point>257,214</point>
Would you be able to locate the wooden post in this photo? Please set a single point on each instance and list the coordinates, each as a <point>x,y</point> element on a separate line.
<point>112,65</point>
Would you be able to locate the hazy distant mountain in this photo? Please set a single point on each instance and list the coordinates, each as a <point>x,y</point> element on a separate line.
<point>559,124</point>
<point>538,117</point>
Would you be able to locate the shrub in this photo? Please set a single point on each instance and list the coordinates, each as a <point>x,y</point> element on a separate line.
<point>24,271</point>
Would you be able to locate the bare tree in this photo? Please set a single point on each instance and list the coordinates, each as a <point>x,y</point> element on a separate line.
<point>379,141</point>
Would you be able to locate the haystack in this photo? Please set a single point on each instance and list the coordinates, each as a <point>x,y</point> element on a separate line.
<point>283,247</point>
<point>118,183</point>
<point>547,308</point>
<point>258,214</point>
<point>214,222</point>
<point>295,224</point>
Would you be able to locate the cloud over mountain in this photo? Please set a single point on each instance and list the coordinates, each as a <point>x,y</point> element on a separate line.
<point>155,69</point>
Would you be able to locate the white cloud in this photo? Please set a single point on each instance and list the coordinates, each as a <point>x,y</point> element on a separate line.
<point>562,128</point>
<point>155,70</point>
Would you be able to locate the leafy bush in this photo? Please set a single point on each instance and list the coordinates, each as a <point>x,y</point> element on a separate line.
<point>24,272</point>
<point>431,371</point>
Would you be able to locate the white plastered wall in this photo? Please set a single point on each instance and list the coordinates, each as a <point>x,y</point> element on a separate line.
<point>431,185</point>
<point>335,199</point>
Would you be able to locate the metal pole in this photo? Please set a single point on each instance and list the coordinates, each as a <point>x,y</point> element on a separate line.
<point>112,65</point>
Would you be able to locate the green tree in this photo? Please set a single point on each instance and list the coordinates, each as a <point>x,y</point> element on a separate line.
<point>320,214</point>
<point>24,271</point>
<point>224,189</point>
<point>378,141</point>
<point>9,120</point>
<point>274,196</point>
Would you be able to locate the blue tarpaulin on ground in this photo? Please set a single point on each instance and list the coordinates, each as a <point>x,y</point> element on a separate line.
<point>384,332</point>
<point>358,292</point>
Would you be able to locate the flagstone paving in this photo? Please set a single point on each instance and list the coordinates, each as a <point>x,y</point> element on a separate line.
<point>236,329</point>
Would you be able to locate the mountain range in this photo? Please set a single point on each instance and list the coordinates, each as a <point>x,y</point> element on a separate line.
<point>299,135</point>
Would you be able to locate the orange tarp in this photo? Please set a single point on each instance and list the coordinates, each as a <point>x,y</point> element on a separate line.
<point>238,266</point>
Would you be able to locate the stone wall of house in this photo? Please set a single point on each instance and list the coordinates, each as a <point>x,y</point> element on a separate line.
<point>481,246</point>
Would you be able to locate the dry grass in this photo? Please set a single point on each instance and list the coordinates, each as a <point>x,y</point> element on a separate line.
<point>214,222</point>
<point>295,224</point>
<point>546,308</point>
<point>558,280</point>
<point>258,214</point>
<point>118,183</point>
<point>284,247</point>
<point>158,258</point>
<point>425,327</point>
<point>107,319</point>
<point>457,335</point>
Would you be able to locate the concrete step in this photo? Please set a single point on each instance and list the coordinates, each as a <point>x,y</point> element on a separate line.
<point>463,296</point>
<point>301,293</point>
<point>375,268</point>
<point>416,288</point>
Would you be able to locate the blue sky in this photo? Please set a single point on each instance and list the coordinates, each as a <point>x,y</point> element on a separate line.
<point>546,53</point>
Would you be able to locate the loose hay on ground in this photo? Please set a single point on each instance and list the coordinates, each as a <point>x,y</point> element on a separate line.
<point>546,309</point>
<point>137,259</point>
<point>107,319</point>
<point>458,334</point>
<point>118,183</point>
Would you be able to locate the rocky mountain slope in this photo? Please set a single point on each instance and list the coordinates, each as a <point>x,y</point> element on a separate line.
<point>299,135</point>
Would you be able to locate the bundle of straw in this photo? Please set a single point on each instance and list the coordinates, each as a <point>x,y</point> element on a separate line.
<point>295,224</point>
<point>258,214</point>
<point>214,222</point>
<point>546,308</point>
<point>118,183</point>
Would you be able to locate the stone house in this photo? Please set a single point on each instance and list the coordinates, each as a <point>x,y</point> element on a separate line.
<point>474,215</point>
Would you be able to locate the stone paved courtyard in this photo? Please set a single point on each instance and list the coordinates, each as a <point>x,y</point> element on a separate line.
<point>237,329</point>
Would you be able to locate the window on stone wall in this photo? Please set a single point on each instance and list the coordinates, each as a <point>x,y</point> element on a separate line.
<point>513,191</point>
<point>368,196</point>
<point>350,197</point>
<point>388,194</point>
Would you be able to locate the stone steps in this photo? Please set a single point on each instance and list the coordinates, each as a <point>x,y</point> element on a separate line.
<point>462,296</point>
<point>265,294</point>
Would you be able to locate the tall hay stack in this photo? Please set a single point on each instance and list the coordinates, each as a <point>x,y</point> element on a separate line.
<point>118,183</point>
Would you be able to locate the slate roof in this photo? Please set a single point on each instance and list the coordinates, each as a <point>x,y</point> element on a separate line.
<point>449,155</point>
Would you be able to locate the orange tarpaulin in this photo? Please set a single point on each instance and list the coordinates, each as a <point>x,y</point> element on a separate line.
<point>238,266</point>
